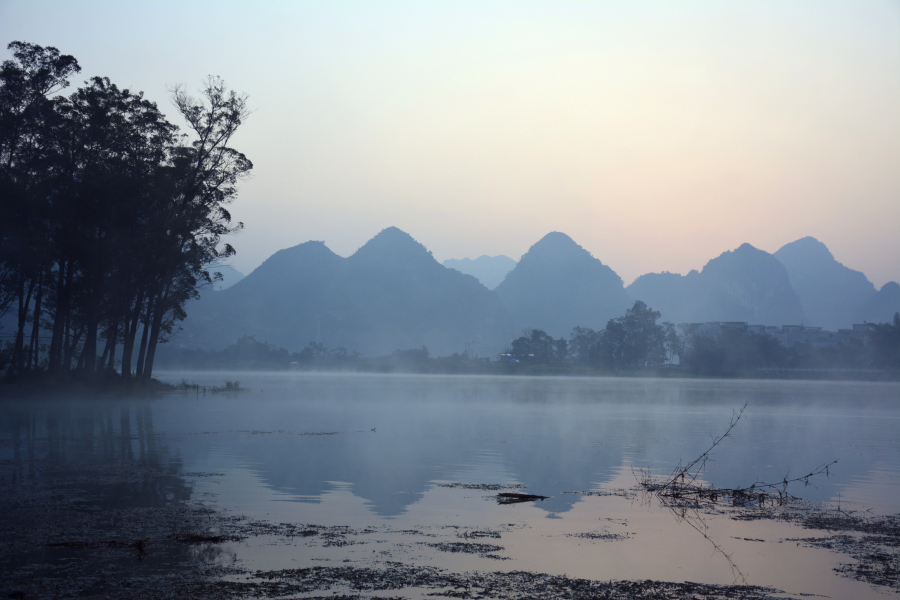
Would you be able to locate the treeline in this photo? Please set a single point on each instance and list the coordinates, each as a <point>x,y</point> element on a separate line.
<point>632,341</point>
<point>248,353</point>
<point>633,344</point>
<point>637,342</point>
<point>111,215</point>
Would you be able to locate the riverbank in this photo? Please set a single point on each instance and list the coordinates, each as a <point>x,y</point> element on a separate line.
<point>441,366</point>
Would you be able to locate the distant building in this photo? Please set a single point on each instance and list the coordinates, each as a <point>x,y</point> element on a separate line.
<point>787,335</point>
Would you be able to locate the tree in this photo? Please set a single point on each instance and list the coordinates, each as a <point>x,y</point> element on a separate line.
<point>735,351</point>
<point>26,84</point>
<point>538,347</point>
<point>583,344</point>
<point>110,217</point>
<point>633,341</point>
<point>204,178</point>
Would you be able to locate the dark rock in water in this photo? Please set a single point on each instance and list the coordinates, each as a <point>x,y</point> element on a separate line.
<point>515,498</point>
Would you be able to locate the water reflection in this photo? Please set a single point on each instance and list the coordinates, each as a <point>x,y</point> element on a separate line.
<point>551,435</point>
<point>67,439</point>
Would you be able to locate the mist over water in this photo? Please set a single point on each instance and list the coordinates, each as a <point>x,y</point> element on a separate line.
<point>404,433</point>
<point>377,452</point>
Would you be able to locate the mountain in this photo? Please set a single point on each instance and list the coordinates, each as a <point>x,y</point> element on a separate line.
<point>673,295</point>
<point>230,276</point>
<point>489,270</point>
<point>558,285</point>
<point>746,284</point>
<point>832,294</point>
<point>391,294</point>
<point>882,306</point>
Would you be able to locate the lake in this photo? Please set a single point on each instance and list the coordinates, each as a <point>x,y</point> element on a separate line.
<point>371,471</point>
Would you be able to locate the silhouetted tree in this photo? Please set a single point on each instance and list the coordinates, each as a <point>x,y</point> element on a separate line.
<point>583,345</point>
<point>733,352</point>
<point>538,347</point>
<point>633,341</point>
<point>110,216</point>
<point>26,84</point>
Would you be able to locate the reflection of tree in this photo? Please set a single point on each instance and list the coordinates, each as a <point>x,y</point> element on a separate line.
<point>685,496</point>
<point>692,516</point>
<point>93,486</point>
<point>94,445</point>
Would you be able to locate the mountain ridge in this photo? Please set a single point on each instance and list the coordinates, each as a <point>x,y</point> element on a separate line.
<point>392,294</point>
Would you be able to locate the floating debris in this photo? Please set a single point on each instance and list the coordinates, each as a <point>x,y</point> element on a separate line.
<point>515,498</point>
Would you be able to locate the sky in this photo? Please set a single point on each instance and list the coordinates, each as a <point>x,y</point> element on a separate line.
<point>656,134</point>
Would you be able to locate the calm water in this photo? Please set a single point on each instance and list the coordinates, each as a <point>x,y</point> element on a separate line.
<point>394,440</point>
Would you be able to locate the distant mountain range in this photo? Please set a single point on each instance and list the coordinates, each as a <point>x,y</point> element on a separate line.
<point>746,284</point>
<point>489,270</point>
<point>392,294</point>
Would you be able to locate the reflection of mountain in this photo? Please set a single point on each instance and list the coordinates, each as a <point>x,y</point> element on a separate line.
<point>393,468</point>
<point>558,285</point>
<point>743,285</point>
<point>391,294</point>
<point>831,293</point>
<point>489,270</point>
<point>552,435</point>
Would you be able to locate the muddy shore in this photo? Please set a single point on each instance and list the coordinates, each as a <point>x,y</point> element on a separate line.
<point>124,530</point>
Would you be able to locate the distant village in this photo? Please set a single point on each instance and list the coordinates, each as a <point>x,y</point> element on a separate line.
<point>787,335</point>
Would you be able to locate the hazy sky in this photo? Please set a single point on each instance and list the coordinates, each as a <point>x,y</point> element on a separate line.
<point>656,134</point>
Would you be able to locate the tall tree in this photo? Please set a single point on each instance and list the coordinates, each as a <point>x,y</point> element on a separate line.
<point>26,84</point>
<point>110,217</point>
<point>633,341</point>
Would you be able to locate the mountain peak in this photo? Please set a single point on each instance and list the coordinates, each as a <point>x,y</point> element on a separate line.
<point>392,244</point>
<point>746,248</point>
<point>831,293</point>
<point>807,248</point>
<point>558,285</point>
<point>556,241</point>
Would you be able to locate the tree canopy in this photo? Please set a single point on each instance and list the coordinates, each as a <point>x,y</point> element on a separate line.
<point>112,215</point>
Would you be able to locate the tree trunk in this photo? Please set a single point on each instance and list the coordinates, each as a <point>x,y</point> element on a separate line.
<point>24,302</point>
<point>58,320</point>
<point>139,370</point>
<point>131,327</point>
<point>159,310</point>
<point>89,351</point>
<point>112,338</point>
<point>81,356</point>
<point>36,325</point>
<point>115,341</point>
<point>70,347</point>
